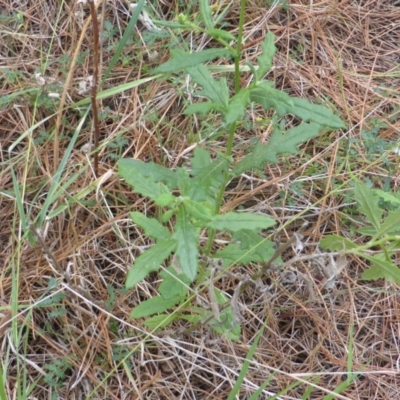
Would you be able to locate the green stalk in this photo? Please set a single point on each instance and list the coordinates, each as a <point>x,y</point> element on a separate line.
<point>239,45</point>
<point>232,127</point>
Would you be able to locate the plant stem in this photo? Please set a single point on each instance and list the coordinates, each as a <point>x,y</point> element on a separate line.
<point>239,45</point>
<point>232,127</point>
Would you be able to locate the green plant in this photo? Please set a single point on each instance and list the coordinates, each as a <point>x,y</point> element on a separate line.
<point>193,262</point>
<point>383,231</point>
<point>57,371</point>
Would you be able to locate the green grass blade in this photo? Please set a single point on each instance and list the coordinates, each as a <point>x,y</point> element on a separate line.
<point>236,388</point>
<point>127,34</point>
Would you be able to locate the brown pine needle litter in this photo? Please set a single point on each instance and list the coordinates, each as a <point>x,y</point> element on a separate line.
<point>65,328</point>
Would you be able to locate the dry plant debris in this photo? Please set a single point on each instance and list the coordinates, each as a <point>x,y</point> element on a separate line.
<point>73,338</point>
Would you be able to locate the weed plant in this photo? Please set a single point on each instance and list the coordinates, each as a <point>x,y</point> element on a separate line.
<point>190,199</point>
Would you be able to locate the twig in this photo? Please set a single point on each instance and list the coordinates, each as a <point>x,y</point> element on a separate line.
<point>93,96</point>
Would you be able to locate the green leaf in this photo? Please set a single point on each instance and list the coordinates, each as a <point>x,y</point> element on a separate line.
<point>149,261</point>
<point>367,230</point>
<point>368,204</point>
<point>146,187</point>
<point>267,55</point>
<point>173,284</point>
<point>200,211</point>
<point>181,59</point>
<point>235,253</point>
<point>168,215</point>
<point>155,305</point>
<point>391,224</point>
<point>208,180</point>
<point>233,221</point>
<point>322,115</point>
<point>165,200</point>
<point>260,249</point>
<point>215,90</point>
<point>128,167</point>
<point>184,181</point>
<point>237,106</point>
<point>226,326</point>
<point>205,12</point>
<point>186,236</point>
<point>337,243</point>
<point>389,197</point>
<point>201,159</point>
<point>202,108</point>
<point>266,95</point>
<point>279,143</point>
<point>220,34</point>
<point>381,269</point>
<point>160,321</point>
<point>152,228</point>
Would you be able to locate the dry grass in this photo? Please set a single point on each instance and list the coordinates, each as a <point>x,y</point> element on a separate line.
<point>343,52</point>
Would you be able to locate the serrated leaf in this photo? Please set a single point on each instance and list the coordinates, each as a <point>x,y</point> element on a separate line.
<point>173,284</point>
<point>208,180</point>
<point>367,230</point>
<point>368,204</point>
<point>167,215</point>
<point>187,237</point>
<point>149,261</point>
<point>181,59</point>
<point>391,224</point>
<point>322,115</point>
<point>233,222</point>
<point>229,328</point>
<point>256,245</point>
<point>337,243</point>
<point>146,187</point>
<point>215,90</point>
<point>201,159</point>
<point>279,143</point>
<point>199,210</point>
<point>155,305</point>
<point>389,197</point>
<point>184,181</point>
<point>237,106</point>
<point>234,253</point>
<point>269,97</point>
<point>128,167</point>
<point>220,34</point>
<point>267,55</point>
<point>202,108</point>
<point>165,199</point>
<point>151,226</point>
<point>381,269</point>
<point>160,321</point>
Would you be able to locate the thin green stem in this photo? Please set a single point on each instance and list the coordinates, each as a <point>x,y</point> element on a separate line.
<point>232,127</point>
<point>239,45</point>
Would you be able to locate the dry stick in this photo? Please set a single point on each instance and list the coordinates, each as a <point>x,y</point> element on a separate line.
<point>93,95</point>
